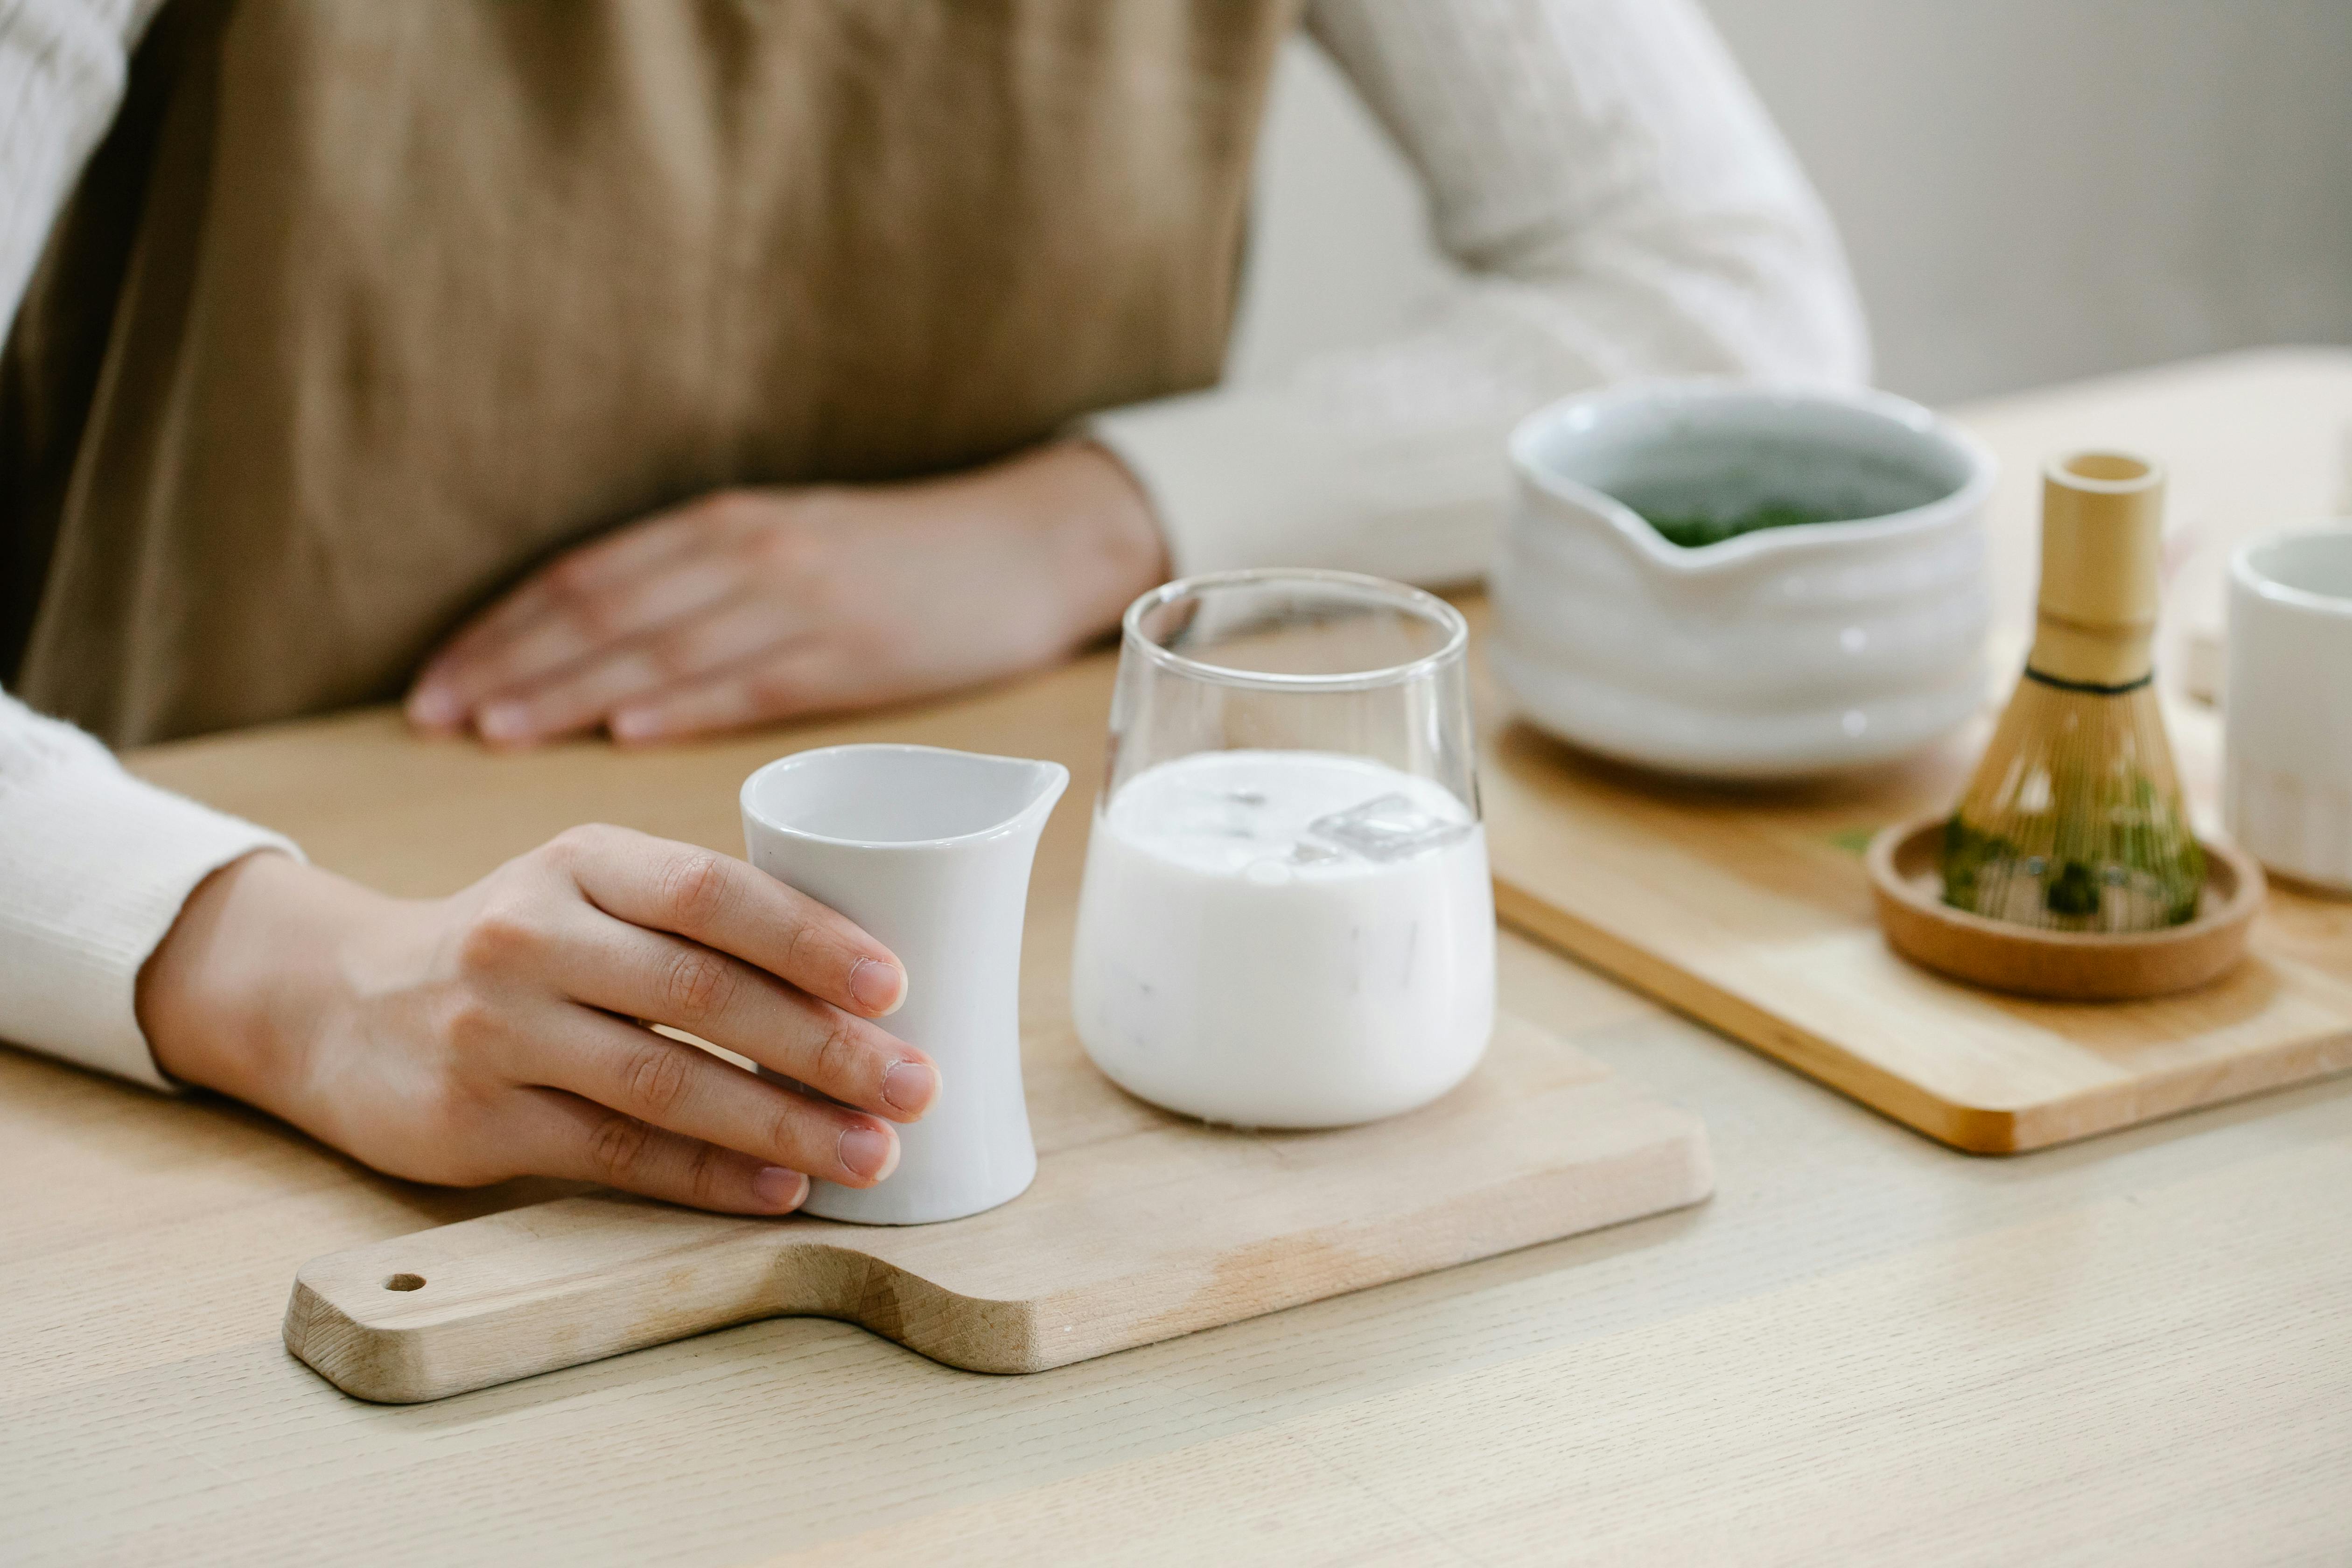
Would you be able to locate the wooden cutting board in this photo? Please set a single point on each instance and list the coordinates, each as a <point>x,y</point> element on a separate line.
<point>1750,909</point>
<point>1142,1225</point>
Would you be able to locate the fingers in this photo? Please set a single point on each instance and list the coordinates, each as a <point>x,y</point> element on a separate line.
<point>639,578</point>
<point>640,974</point>
<point>675,1088</point>
<point>517,687</point>
<point>724,904</point>
<point>572,700</point>
<point>496,679</point>
<point>793,680</point>
<point>583,692</point>
<point>562,1135</point>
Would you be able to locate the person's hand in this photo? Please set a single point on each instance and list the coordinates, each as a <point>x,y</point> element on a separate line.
<point>502,1032</point>
<point>747,607</point>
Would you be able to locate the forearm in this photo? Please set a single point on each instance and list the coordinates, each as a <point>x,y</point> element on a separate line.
<point>1618,206</point>
<point>1604,163</point>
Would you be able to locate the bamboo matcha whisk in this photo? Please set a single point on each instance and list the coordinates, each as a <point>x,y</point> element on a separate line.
<point>2075,819</point>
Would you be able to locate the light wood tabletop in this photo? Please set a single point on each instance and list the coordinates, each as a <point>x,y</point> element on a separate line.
<point>1866,1346</point>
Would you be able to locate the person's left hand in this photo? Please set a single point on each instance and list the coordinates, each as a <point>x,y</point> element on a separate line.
<point>751,606</point>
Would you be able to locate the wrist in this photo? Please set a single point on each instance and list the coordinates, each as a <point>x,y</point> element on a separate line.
<point>229,999</point>
<point>1109,547</point>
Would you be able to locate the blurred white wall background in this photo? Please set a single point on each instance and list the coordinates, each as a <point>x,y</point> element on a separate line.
<point>2031,190</point>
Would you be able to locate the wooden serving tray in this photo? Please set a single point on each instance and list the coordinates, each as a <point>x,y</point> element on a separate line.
<point>1141,1226</point>
<point>1752,909</point>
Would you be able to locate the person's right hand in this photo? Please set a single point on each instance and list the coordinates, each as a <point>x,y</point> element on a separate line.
<point>502,1032</point>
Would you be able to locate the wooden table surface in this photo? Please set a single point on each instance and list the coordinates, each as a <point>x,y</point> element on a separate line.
<point>2137,1348</point>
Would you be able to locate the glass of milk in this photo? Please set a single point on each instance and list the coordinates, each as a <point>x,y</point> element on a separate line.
<point>1286,920</point>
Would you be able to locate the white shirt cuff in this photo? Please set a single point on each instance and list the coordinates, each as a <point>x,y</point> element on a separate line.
<point>96,865</point>
<point>1241,478</point>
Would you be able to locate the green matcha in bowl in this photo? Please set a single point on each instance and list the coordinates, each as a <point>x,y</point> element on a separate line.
<point>1733,580</point>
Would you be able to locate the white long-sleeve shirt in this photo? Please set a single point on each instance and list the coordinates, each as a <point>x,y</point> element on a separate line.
<point>1617,202</point>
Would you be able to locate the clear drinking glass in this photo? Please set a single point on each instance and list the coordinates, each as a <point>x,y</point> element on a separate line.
<point>1286,920</point>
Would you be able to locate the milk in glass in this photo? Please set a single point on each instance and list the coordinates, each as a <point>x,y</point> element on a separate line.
<point>1284,938</point>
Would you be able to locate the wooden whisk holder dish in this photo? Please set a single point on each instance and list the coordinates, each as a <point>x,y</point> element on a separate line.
<point>1907,882</point>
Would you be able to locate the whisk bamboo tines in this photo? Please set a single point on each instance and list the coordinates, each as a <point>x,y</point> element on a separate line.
<point>2074,820</point>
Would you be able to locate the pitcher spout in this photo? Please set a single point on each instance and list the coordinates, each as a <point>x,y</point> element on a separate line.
<point>1038,786</point>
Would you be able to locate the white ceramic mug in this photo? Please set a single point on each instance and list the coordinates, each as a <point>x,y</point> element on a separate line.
<point>1777,653</point>
<point>2287,779</point>
<point>929,849</point>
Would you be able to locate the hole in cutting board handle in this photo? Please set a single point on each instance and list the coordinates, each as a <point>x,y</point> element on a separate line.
<point>405,1282</point>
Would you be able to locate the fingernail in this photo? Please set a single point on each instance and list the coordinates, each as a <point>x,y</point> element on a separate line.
<point>633,724</point>
<point>867,1152</point>
<point>434,707</point>
<point>780,1189</point>
<point>879,987</point>
<point>504,721</point>
<point>910,1086</point>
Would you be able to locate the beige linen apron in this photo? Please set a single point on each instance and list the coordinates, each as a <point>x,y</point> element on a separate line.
<point>365,308</point>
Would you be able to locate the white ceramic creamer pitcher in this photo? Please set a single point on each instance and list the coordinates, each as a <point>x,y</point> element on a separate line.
<point>929,849</point>
<point>1792,649</point>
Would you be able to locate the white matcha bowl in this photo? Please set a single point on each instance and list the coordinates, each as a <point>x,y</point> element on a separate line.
<point>1786,651</point>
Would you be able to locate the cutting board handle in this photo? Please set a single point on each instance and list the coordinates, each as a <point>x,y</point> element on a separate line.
<point>509,1295</point>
